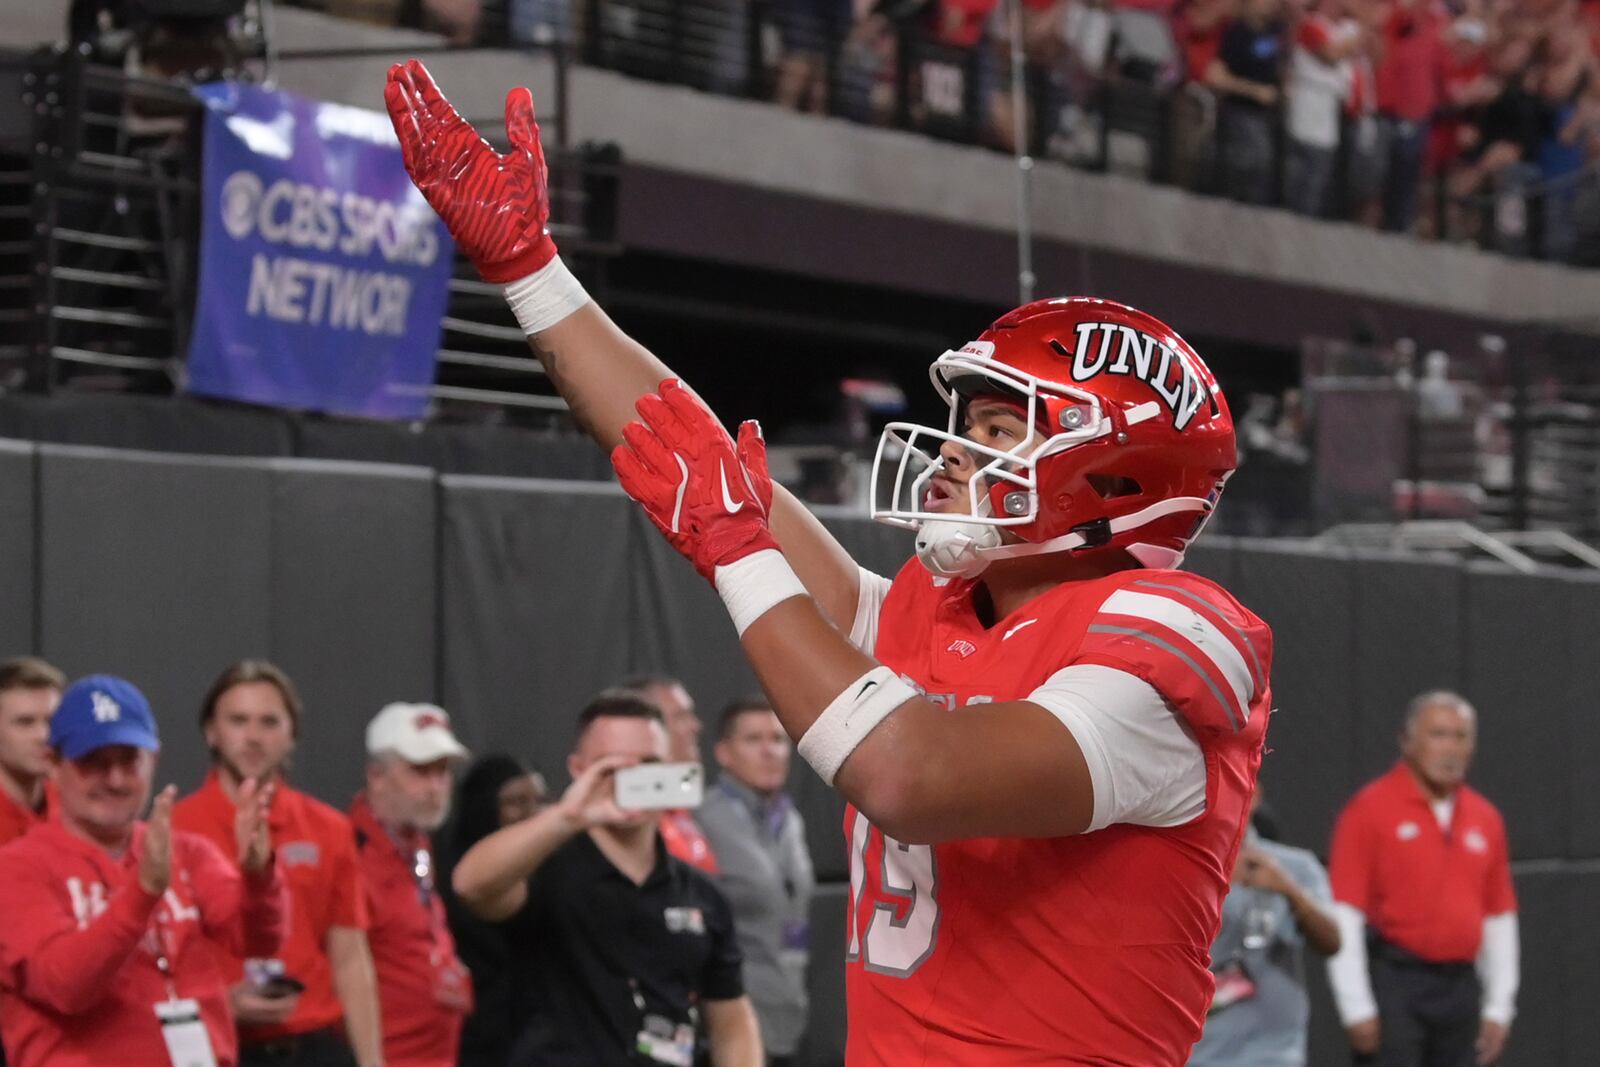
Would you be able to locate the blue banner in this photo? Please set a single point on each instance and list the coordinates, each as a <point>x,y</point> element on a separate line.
<point>323,272</point>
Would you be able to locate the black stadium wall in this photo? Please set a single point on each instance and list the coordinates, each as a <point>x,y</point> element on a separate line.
<point>511,601</point>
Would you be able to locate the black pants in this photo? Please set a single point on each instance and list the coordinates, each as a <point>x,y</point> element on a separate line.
<point>319,1048</point>
<point>1427,1012</point>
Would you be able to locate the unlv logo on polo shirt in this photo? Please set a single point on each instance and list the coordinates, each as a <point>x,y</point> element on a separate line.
<point>1111,348</point>
<point>685,920</point>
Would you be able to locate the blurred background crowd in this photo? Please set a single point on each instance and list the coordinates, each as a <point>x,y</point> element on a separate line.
<point>1464,120</point>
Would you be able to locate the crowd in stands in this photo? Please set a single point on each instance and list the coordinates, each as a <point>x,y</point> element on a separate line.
<point>1470,120</point>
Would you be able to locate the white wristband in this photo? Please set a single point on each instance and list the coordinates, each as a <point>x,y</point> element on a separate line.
<point>753,586</point>
<point>853,715</point>
<point>545,297</point>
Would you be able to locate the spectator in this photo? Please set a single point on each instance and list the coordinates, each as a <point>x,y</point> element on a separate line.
<point>1320,77</point>
<point>1197,26</point>
<point>679,829</point>
<point>107,919</point>
<point>766,870</point>
<point>1422,879</point>
<point>630,952</point>
<point>1410,73</point>
<point>29,691</point>
<point>1505,135</point>
<point>1279,904</point>
<point>251,720</point>
<point>456,20</point>
<point>1247,73</point>
<point>423,988</point>
<point>496,792</point>
<point>805,30</point>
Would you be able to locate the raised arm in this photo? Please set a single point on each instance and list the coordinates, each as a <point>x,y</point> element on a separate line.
<point>497,209</point>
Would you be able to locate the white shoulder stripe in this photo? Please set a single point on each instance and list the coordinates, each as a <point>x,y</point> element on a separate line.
<point>1196,629</point>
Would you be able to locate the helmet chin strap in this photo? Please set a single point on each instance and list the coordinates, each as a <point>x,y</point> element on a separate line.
<point>951,548</point>
<point>957,549</point>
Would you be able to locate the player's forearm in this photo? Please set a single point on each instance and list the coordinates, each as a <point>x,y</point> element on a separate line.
<point>803,664</point>
<point>356,983</point>
<point>491,878</point>
<point>598,369</point>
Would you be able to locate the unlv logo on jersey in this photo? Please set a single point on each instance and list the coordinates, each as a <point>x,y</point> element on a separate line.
<point>1141,356</point>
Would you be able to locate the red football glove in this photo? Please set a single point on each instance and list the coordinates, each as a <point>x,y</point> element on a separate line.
<point>497,207</point>
<point>708,496</point>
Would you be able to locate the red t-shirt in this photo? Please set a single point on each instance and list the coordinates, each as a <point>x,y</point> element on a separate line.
<point>1411,70</point>
<point>424,990</point>
<point>685,840</point>
<point>316,851</point>
<point>961,22</point>
<point>80,940</point>
<point>1091,949</point>
<point>17,819</point>
<point>1423,888</point>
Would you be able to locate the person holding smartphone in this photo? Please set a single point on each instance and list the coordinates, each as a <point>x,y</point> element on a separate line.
<point>629,952</point>
<point>315,1003</point>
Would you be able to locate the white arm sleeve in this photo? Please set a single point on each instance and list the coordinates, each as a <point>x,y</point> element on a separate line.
<point>869,603</point>
<point>1500,966</point>
<point>1144,763</point>
<point>1347,968</point>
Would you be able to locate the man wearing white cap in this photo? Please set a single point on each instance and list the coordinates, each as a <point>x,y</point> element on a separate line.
<point>424,991</point>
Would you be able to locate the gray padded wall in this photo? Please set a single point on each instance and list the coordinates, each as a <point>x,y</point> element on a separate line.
<point>156,568</point>
<point>18,594</point>
<point>1583,752</point>
<point>353,613</point>
<point>1309,601</point>
<point>535,614</point>
<point>1407,639</point>
<point>1515,671</point>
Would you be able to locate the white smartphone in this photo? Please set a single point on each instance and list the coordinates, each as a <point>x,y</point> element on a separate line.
<point>657,786</point>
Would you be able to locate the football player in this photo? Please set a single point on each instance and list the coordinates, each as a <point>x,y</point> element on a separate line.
<point>1048,737</point>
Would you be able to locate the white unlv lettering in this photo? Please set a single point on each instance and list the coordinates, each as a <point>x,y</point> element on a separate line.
<point>1136,356</point>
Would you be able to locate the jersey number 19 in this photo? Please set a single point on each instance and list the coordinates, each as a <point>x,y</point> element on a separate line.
<point>905,915</point>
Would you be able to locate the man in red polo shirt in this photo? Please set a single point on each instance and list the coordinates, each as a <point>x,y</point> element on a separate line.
<point>1422,883</point>
<point>251,719</point>
<point>29,691</point>
<point>425,990</point>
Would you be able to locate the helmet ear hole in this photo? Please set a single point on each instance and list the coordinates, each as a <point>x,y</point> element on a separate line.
<point>1112,486</point>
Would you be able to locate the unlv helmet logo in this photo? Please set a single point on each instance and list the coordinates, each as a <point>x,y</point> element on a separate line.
<point>1141,356</point>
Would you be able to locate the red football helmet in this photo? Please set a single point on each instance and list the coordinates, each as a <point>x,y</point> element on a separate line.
<point>1129,441</point>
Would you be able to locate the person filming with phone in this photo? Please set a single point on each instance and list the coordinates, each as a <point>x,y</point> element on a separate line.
<point>629,953</point>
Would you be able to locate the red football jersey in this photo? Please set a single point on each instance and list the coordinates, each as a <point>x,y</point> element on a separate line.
<point>1089,949</point>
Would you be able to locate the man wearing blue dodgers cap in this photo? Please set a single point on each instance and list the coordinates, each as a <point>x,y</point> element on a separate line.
<point>104,955</point>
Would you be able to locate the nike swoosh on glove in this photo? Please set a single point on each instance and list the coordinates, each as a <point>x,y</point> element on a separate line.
<point>710,497</point>
<point>497,207</point>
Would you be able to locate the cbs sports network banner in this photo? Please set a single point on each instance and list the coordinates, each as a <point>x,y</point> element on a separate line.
<point>323,273</point>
